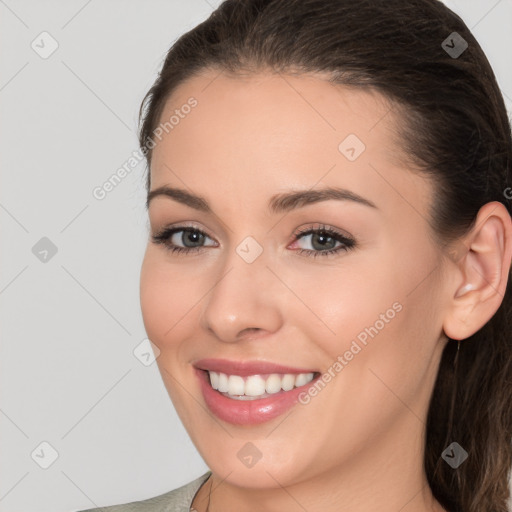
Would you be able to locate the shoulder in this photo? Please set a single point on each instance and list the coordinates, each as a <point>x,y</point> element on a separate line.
<point>177,500</point>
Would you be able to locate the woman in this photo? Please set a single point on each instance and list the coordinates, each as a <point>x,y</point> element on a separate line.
<point>331,241</point>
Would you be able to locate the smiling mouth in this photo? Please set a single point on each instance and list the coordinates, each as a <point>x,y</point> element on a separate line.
<point>255,387</point>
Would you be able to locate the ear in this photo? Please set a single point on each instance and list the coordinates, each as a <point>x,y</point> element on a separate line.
<point>482,268</point>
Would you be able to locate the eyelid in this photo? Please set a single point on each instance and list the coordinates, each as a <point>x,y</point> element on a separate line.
<point>162,236</point>
<point>179,226</point>
<point>341,236</point>
<point>319,226</point>
<point>347,241</point>
<point>315,226</point>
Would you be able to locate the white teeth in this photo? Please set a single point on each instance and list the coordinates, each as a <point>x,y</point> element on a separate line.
<point>257,385</point>
<point>236,385</point>
<point>254,386</point>
<point>223,383</point>
<point>301,379</point>
<point>273,384</point>
<point>214,380</point>
<point>288,381</point>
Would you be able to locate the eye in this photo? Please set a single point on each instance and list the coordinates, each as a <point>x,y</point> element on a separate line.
<point>325,237</point>
<point>192,238</point>
<point>189,235</point>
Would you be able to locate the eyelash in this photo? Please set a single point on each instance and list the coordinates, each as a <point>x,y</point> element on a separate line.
<point>348,243</point>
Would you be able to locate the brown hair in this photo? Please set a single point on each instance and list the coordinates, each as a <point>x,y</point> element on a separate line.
<point>454,127</point>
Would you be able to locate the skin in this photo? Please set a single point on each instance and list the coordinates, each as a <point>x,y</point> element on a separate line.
<point>358,445</point>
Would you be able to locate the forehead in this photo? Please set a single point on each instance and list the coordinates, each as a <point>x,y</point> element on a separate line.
<point>269,104</point>
<point>277,100</point>
<point>280,131</point>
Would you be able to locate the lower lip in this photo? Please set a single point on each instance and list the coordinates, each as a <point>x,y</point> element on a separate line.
<point>248,412</point>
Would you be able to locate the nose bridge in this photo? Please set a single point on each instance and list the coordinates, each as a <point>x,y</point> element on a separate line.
<point>241,297</point>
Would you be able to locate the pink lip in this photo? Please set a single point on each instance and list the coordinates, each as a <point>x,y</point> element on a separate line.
<point>249,412</point>
<point>245,368</point>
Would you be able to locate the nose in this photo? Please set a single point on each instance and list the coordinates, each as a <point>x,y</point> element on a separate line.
<point>244,301</point>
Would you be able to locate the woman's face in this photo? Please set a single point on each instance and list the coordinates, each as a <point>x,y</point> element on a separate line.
<point>369,315</point>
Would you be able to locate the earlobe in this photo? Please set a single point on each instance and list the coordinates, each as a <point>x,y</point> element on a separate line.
<point>484,268</point>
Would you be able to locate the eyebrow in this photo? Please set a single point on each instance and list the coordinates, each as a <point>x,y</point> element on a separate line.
<point>278,203</point>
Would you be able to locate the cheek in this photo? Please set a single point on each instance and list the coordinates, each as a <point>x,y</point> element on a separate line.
<point>338,304</point>
<point>372,317</point>
<point>167,305</point>
<point>170,299</point>
<point>167,299</point>
<point>152,295</point>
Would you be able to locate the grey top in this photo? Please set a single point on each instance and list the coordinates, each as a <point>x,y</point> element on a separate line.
<point>177,500</point>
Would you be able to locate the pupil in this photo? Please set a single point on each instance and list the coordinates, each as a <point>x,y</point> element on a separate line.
<point>322,238</point>
<point>195,234</point>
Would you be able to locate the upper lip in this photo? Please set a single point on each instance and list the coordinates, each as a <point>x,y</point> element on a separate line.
<point>245,368</point>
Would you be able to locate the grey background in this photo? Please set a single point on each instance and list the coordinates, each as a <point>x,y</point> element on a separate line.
<point>68,373</point>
